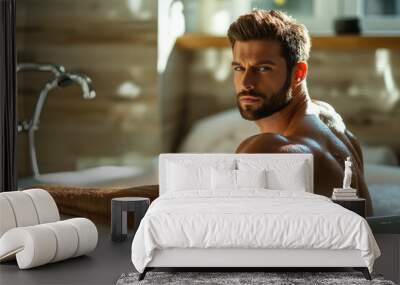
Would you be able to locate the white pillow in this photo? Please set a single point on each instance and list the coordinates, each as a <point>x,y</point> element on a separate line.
<point>251,178</point>
<point>282,174</point>
<point>184,177</point>
<point>235,179</point>
<point>223,179</point>
<point>293,180</point>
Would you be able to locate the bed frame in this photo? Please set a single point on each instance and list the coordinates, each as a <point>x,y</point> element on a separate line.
<point>246,259</point>
<point>241,259</point>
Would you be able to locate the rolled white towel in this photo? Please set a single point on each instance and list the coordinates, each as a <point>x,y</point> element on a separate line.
<point>45,205</point>
<point>67,240</point>
<point>23,208</point>
<point>7,218</point>
<point>40,244</point>
<point>33,246</point>
<point>26,208</point>
<point>87,235</point>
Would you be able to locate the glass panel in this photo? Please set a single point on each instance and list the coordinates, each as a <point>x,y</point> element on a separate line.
<point>292,7</point>
<point>382,8</point>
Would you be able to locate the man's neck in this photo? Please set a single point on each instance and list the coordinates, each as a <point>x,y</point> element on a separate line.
<point>280,122</point>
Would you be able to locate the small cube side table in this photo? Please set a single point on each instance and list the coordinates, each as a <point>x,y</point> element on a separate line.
<point>119,212</point>
<point>357,205</point>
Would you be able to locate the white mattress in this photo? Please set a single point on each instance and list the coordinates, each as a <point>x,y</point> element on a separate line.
<point>251,219</point>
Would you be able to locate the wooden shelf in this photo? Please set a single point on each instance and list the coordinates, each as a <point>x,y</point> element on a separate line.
<point>202,41</point>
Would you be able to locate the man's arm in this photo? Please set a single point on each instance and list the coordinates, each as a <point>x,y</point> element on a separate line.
<point>327,172</point>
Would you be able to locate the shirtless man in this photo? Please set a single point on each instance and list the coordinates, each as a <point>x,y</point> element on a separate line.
<point>270,53</point>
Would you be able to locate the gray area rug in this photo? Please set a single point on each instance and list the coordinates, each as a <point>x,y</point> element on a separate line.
<point>230,278</point>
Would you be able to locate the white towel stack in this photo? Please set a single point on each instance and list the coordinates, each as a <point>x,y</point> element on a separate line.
<point>344,194</point>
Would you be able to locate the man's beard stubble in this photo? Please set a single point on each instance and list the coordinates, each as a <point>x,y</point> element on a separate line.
<point>269,105</point>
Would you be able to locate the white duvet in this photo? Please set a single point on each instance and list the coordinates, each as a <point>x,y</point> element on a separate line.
<point>250,219</point>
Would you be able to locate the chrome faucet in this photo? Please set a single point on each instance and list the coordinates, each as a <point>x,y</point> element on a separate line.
<point>66,79</point>
<point>60,79</point>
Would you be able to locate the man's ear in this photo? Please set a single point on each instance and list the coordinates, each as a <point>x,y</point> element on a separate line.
<point>299,73</point>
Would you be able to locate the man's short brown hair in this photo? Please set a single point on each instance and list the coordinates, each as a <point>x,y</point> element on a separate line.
<point>273,25</point>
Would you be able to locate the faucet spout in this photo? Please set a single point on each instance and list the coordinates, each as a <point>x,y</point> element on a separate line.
<point>84,82</point>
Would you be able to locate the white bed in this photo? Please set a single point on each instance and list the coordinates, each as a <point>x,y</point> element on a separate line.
<point>201,220</point>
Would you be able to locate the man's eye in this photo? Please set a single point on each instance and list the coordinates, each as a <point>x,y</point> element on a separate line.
<point>263,68</point>
<point>238,68</point>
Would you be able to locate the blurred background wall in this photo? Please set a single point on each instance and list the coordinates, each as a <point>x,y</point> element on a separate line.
<point>356,72</point>
<point>160,67</point>
<point>347,79</point>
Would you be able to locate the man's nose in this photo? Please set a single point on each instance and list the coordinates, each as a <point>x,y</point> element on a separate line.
<point>248,80</point>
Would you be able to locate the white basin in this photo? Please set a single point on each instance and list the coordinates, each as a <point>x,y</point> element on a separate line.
<point>96,176</point>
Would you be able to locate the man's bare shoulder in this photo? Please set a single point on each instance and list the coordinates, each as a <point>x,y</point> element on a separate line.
<point>271,143</point>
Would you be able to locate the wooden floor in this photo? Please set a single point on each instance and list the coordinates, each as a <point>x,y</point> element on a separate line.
<point>102,266</point>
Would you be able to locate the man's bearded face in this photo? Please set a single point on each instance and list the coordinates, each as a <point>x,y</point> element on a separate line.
<point>255,105</point>
<point>261,78</point>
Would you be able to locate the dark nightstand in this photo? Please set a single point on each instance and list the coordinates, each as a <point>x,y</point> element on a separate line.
<point>357,205</point>
<point>119,210</point>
